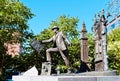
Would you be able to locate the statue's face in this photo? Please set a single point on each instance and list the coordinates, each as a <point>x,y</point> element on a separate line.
<point>55,30</point>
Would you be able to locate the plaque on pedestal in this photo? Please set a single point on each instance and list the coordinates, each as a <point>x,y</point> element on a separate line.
<point>36,45</point>
<point>46,68</point>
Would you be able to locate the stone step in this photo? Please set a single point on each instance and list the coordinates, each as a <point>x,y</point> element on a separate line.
<point>92,73</point>
<point>66,78</point>
<point>86,76</point>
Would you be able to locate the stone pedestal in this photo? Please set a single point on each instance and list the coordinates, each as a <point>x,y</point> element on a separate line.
<point>31,72</point>
<point>87,76</point>
<point>46,68</point>
<point>99,66</point>
<point>92,73</point>
<point>67,78</point>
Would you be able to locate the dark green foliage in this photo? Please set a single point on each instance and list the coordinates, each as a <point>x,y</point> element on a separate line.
<point>114,49</point>
<point>14,17</point>
<point>69,26</point>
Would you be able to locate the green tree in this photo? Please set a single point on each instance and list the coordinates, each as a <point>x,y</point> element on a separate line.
<point>14,17</point>
<point>91,52</point>
<point>69,26</point>
<point>114,49</point>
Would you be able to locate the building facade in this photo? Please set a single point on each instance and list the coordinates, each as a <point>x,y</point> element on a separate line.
<point>13,46</point>
<point>13,49</point>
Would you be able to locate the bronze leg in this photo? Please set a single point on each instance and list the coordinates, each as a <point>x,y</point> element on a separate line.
<point>67,63</point>
<point>48,53</point>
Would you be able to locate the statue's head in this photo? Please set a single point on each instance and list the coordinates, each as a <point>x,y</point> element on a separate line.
<point>55,27</point>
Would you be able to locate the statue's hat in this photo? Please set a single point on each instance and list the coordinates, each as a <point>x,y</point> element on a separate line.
<point>55,27</point>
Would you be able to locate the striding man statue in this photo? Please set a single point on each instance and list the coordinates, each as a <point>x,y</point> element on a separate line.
<point>60,42</point>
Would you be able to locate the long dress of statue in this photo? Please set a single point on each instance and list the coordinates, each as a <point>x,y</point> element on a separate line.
<point>98,40</point>
<point>99,29</point>
<point>59,40</point>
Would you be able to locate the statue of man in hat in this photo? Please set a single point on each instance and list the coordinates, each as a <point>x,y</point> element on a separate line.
<point>60,42</point>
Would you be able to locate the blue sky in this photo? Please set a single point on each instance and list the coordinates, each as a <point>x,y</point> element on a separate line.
<point>49,10</point>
